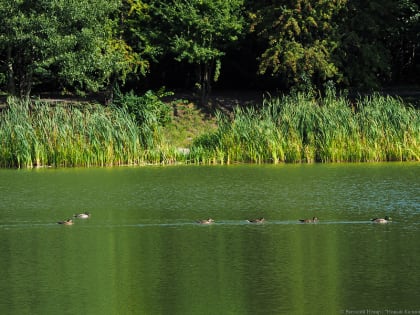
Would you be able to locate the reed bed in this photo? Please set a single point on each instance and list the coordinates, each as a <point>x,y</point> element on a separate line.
<point>290,129</point>
<point>39,134</point>
<point>302,128</point>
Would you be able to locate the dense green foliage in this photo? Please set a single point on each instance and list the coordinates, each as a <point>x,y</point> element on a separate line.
<point>148,111</point>
<point>107,46</point>
<point>84,46</point>
<point>291,129</point>
<point>301,128</point>
<point>67,135</point>
<point>198,32</point>
<point>73,42</point>
<point>301,39</point>
<point>378,42</point>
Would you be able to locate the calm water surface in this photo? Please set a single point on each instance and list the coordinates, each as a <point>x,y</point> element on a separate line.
<point>141,252</point>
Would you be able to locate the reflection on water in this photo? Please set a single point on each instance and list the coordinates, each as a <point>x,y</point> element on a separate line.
<point>141,252</point>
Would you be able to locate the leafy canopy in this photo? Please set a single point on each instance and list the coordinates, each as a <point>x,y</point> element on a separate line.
<point>201,29</point>
<point>74,41</point>
<point>300,39</point>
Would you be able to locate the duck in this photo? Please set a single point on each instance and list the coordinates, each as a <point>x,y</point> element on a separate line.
<point>313,220</point>
<point>206,221</point>
<point>258,220</point>
<point>381,220</point>
<point>84,215</point>
<point>66,222</point>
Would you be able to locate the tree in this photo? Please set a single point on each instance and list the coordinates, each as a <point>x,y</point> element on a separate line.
<point>140,30</point>
<point>379,42</point>
<point>363,56</point>
<point>301,37</point>
<point>73,41</point>
<point>405,42</point>
<point>198,32</point>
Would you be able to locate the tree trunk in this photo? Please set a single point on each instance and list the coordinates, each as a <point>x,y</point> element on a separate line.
<point>205,83</point>
<point>20,73</point>
<point>11,87</point>
<point>25,83</point>
<point>110,90</point>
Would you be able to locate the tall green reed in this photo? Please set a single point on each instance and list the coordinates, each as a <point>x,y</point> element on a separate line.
<point>39,134</point>
<point>292,129</point>
<point>301,128</point>
<point>389,130</point>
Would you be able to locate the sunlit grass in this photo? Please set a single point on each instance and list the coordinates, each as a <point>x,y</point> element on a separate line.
<point>302,128</point>
<point>66,135</point>
<point>290,129</point>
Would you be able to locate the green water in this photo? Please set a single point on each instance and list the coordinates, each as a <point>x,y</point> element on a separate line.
<point>141,252</point>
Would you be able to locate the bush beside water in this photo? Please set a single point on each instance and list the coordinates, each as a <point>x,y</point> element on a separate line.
<point>292,129</point>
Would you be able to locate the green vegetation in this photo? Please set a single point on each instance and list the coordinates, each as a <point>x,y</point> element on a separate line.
<point>68,135</point>
<point>301,40</point>
<point>149,112</point>
<point>300,128</point>
<point>188,122</point>
<point>198,32</point>
<point>71,43</point>
<point>139,130</point>
<point>92,45</point>
<point>104,48</point>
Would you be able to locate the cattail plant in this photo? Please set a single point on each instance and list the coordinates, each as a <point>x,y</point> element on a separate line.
<point>39,134</point>
<point>301,128</point>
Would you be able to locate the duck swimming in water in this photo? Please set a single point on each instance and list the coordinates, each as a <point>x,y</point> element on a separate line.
<point>313,220</point>
<point>66,222</point>
<point>206,221</point>
<point>258,220</point>
<point>381,220</point>
<point>84,215</point>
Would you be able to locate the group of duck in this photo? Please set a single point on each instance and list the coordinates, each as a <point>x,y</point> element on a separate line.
<point>386,219</point>
<point>86,215</point>
<point>69,221</point>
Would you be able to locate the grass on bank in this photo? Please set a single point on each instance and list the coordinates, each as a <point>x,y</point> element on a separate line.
<point>292,129</point>
<point>68,135</point>
<point>301,128</point>
<point>187,123</point>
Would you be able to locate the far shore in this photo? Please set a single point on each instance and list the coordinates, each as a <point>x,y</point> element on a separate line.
<point>226,99</point>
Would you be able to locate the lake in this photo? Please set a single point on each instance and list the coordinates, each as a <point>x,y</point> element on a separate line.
<point>142,252</point>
